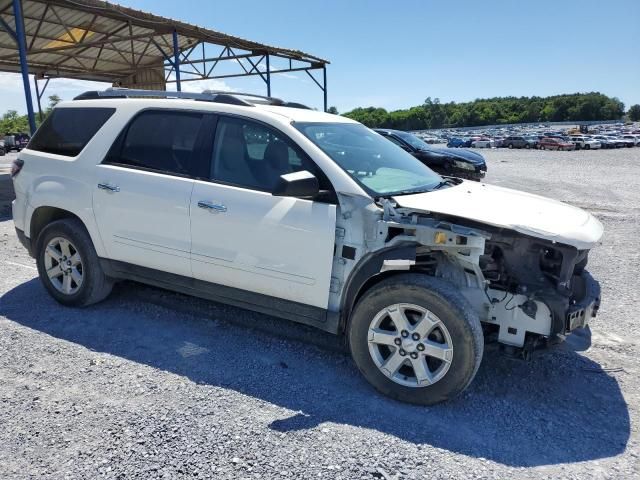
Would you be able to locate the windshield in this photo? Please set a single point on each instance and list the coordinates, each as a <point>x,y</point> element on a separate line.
<point>378,165</point>
<point>414,141</point>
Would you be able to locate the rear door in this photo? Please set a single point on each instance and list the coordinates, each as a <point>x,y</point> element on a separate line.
<point>246,238</point>
<point>143,188</point>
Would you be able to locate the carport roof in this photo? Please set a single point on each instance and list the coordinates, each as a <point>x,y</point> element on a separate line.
<point>96,40</point>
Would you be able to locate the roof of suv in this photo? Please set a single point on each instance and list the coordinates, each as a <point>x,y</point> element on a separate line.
<point>215,101</point>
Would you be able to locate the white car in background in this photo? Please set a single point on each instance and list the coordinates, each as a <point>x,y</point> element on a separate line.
<point>635,138</point>
<point>483,143</point>
<point>585,143</point>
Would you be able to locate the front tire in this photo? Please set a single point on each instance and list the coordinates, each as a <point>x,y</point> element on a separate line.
<point>416,339</point>
<point>68,265</point>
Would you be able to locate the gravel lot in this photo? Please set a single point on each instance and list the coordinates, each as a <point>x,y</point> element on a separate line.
<point>151,384</point>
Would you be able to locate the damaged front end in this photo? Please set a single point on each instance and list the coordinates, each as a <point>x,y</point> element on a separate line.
<point>526,290</point>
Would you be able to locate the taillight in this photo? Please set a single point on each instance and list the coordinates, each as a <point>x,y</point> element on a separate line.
<point>16,166</point>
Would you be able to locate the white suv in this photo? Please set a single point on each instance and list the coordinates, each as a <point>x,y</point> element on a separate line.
<point>585,143</point>
<point>304,215</point>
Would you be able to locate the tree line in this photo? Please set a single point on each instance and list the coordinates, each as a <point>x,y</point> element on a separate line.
<point>493,111</point>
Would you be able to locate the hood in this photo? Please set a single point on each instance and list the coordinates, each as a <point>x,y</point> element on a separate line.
<point>460,154</point>
<point>525,213</point>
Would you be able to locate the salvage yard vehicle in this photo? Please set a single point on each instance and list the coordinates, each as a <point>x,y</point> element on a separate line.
<point>312,217</point>
<point>482,143</point>
<point>585,143</point>
<point>519,142</point>
<point>15,141</point>
<point>454,163</point>
<point>605,142</point>
<point>553,143</point>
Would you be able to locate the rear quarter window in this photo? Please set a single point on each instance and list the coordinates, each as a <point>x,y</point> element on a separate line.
<point>66,131</point>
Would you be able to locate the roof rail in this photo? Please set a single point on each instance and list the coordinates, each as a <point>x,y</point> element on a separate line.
<point>217,96</point>
<point>135,93</point>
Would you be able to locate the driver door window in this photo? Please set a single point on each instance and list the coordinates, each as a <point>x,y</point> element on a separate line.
<point>251,155</point>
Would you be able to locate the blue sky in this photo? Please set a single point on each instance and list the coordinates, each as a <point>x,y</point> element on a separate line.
<point>394,54</point>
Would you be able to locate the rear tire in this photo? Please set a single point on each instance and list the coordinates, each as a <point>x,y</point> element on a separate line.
<point>68,265</point>
<point>416,339</point>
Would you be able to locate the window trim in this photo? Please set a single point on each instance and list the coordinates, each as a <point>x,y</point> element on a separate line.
<point>198,150</point>
<point>300,151</point>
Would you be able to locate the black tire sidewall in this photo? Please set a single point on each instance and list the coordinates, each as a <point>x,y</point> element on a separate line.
<point>467,348</point>
<point>75,232</point>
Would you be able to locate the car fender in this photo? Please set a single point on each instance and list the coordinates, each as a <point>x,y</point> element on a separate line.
<point>66,194</point>
<point>369,271</point>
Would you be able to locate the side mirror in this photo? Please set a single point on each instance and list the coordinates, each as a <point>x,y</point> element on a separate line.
<point>297,184</point>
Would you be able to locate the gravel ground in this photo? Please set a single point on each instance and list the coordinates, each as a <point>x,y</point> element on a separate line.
<point>151,384</point>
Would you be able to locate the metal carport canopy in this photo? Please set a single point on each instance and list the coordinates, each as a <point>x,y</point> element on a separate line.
<point>100,41</point>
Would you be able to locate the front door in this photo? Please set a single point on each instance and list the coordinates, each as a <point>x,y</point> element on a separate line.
<point>243,236</point>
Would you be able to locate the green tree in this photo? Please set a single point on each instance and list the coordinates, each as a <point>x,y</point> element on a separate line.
<point>634,113</point>
<point>333,110</point>
<point>53,101</point>
<point>490,111</point>
<point>11,122</point>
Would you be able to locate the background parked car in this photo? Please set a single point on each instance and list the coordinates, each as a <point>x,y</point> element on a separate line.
<point>2,150</point>
<point>16,141</point>
<point>482,143</point>
<point>605,142</point>
<point>455,142</point>
<point>585,143</point>
<point>455,163</point>
<point>634,138</point>
<point>626,142</point>
<point>515,141</point>
<point>552,143</point>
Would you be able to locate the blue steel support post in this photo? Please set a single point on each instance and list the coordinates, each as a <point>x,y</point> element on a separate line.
<point>324,84</point>
<point>38,97</point>
<point>176,59</point>
<point>24,67</point>
<point>268,77</point>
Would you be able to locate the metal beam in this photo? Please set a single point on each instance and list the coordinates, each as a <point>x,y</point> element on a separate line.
<point>35,35</point>
<point>8,29</point>
<point>176,59</point>
<point>238,75</point>
<point>24,66</point>
<point>38,96</point>
<point>324,88</point>
<point>268,77</point>
<point>96,43</point>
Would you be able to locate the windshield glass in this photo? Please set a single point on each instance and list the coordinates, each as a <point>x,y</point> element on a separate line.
<point>414,141</point>
<point>377,164</point>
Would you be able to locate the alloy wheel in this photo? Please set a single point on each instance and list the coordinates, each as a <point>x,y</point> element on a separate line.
<point>410,345</point>
<point>63,265</point>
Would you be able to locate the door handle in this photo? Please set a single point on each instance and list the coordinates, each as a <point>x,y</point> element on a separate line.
<point>110,188</point>
<point>213,207</point>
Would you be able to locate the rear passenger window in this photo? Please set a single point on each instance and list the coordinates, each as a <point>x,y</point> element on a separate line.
<point>164,141</point>
<point>66,131</point>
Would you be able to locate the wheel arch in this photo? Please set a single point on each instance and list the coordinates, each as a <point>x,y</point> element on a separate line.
<point>43,215</point>
<point>368,273</point>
